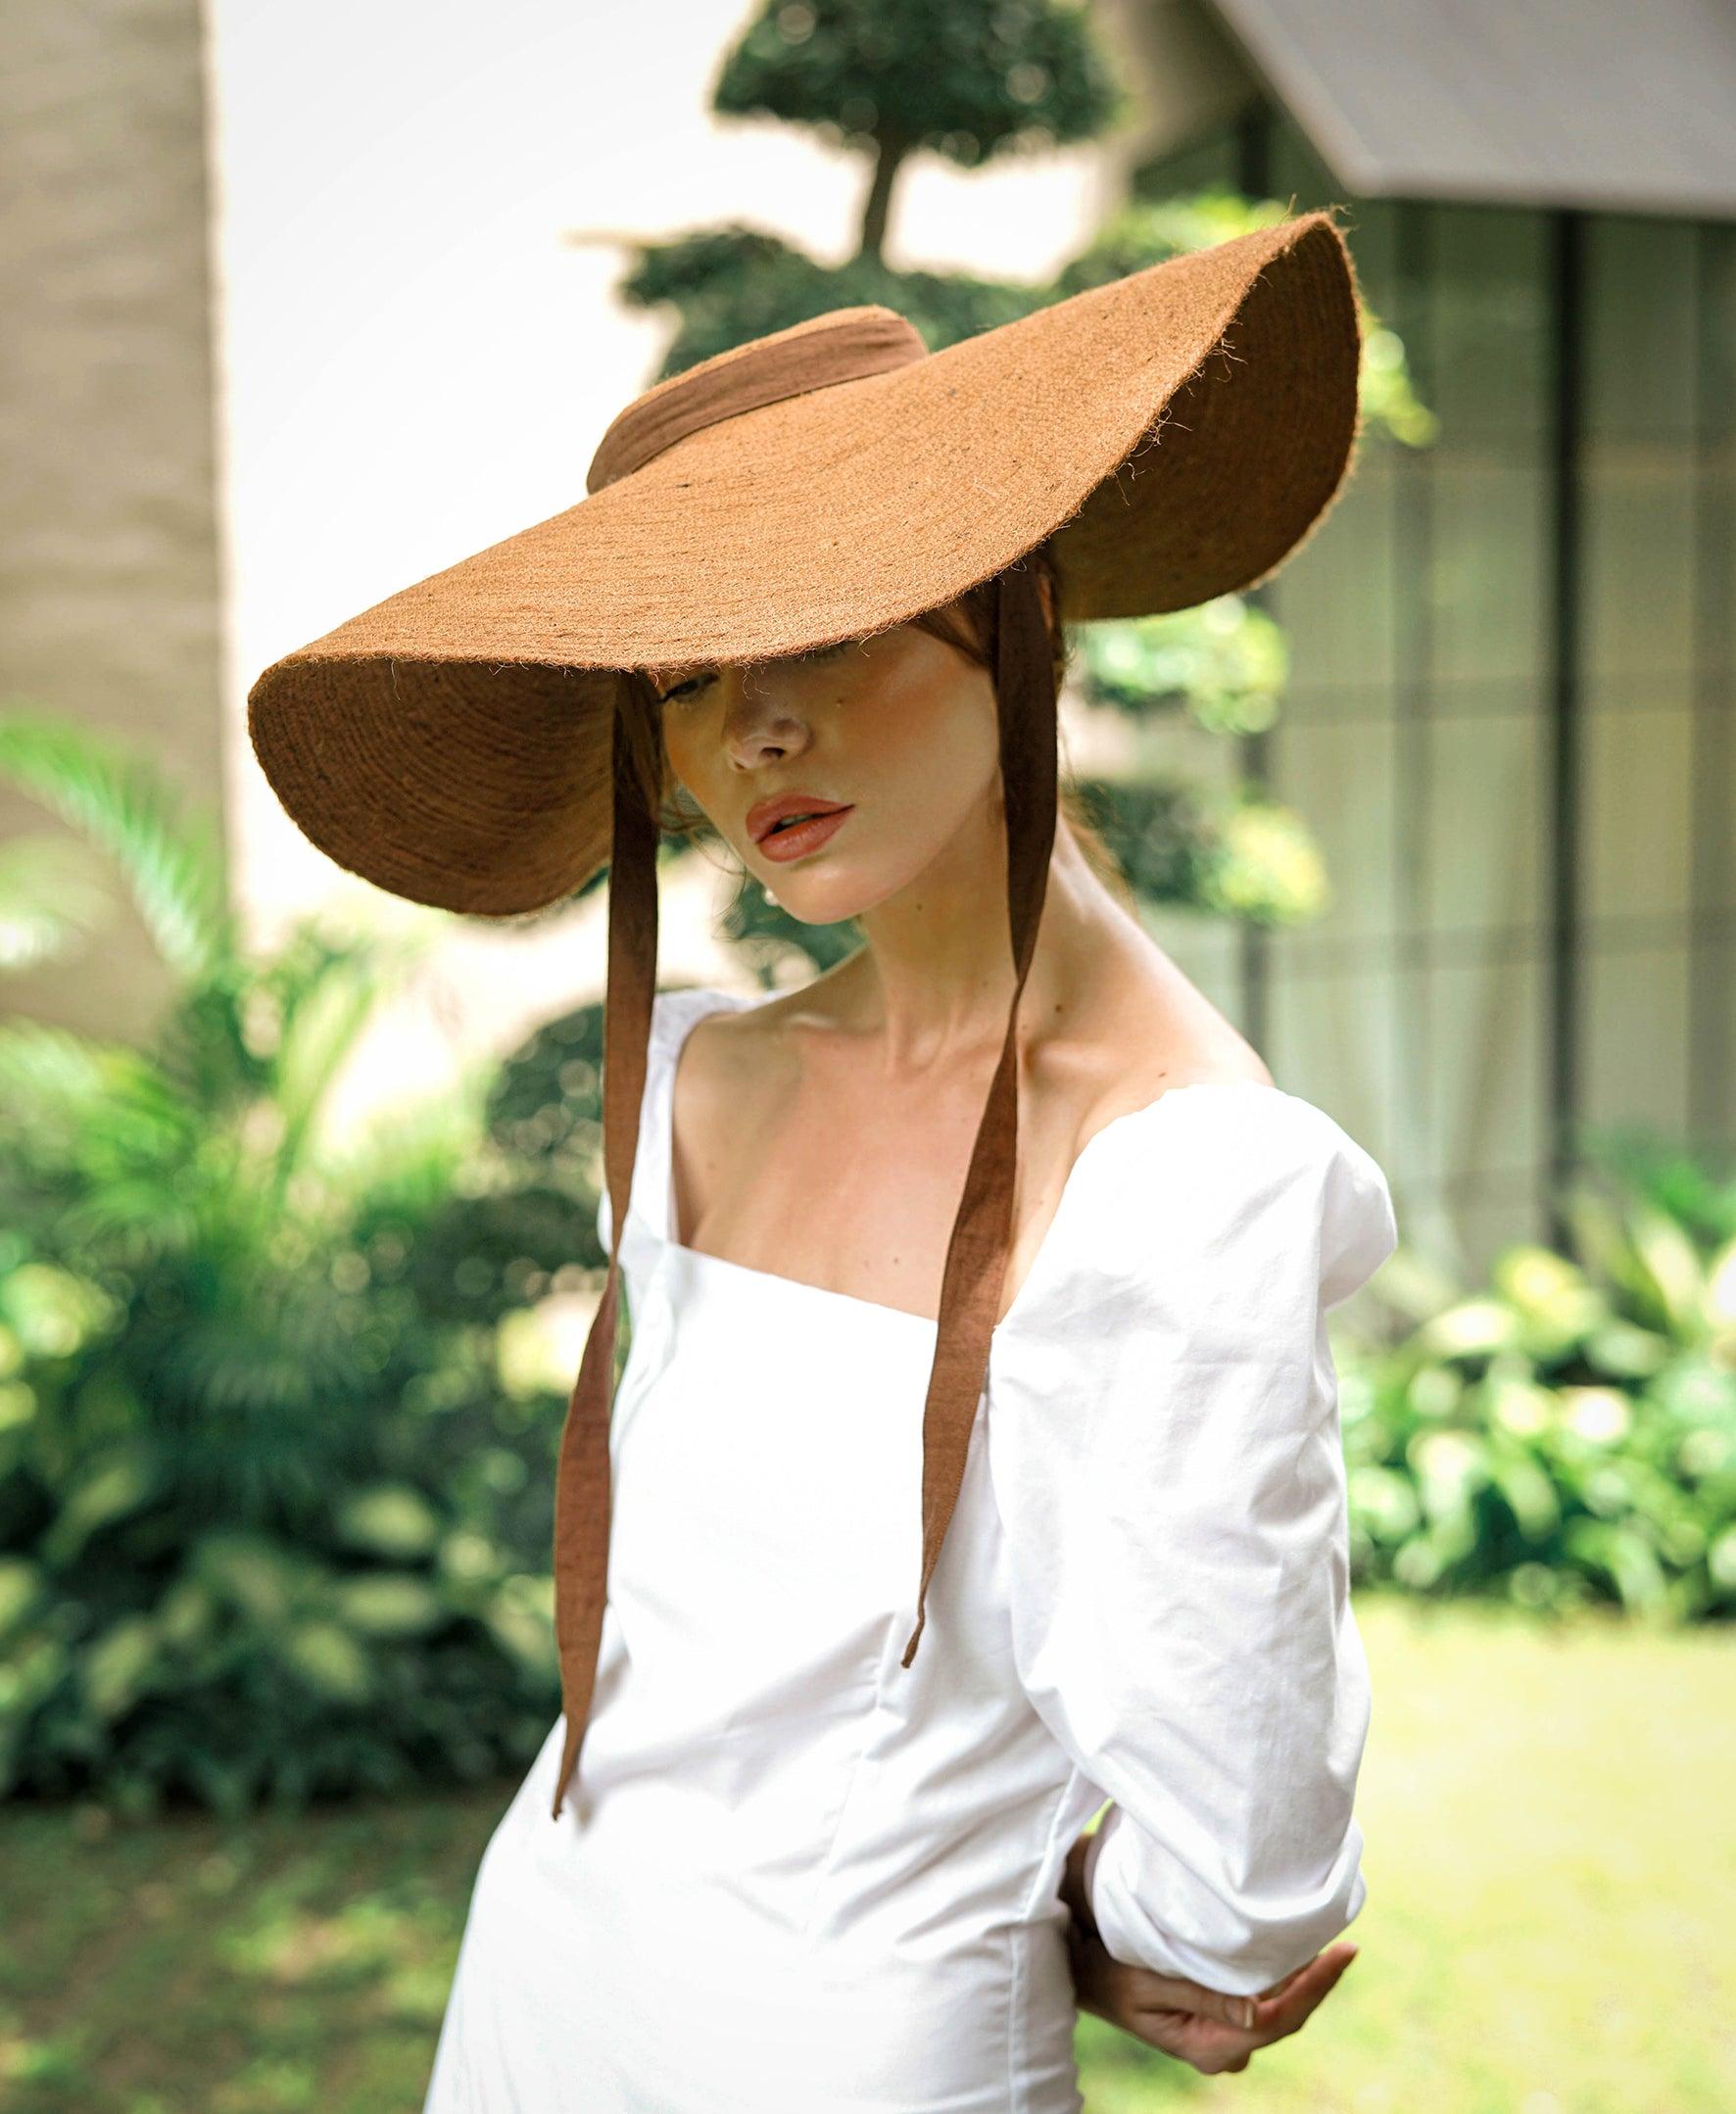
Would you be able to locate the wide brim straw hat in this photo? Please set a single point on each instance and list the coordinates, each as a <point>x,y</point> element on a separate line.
<point>1172,436</point>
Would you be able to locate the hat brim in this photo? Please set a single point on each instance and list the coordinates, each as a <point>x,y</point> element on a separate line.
<point>1178,432</point>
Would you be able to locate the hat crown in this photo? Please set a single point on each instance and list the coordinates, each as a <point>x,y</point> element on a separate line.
<point>845,345</point>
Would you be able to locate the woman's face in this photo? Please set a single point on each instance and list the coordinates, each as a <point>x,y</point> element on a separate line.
<point>900,728</point>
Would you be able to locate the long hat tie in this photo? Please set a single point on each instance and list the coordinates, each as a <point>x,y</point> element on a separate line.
<point>976,1252</point>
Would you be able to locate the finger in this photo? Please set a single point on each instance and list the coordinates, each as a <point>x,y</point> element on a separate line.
<point>1287,2013</point>
<point>1343,1950</point>
<point>1147,1991</point>
<point>1286,1981</point>
<point>1323,1972</point>
<point>1242,2012</point>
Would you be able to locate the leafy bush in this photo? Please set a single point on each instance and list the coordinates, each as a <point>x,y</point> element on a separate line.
<point>730,283</point>
<point>276,1418</point>
<point>1569,1433</point>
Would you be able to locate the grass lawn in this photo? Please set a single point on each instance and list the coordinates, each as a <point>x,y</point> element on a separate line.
<point>1550,1924</point>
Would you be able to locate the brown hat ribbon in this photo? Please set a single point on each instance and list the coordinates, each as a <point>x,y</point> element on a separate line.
<point>847,346</point>
<point>582,1470</point>
<point>981,1232</point>
<point>975,1269</point>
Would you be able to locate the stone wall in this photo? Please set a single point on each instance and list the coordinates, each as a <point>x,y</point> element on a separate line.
<point>110,606</point>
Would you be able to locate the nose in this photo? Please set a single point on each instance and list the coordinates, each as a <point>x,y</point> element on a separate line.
<point>760,720</point>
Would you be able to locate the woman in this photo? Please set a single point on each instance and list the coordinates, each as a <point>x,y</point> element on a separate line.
<point>805,1867</point>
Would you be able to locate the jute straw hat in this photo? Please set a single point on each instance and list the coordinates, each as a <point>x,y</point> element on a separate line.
<point>1173,436</point>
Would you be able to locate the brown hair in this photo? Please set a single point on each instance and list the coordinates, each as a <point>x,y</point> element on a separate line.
<point>651,763</point>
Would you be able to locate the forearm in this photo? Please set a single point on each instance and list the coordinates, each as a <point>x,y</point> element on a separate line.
<point>1127,1996</point>
<point>1076,1877</point>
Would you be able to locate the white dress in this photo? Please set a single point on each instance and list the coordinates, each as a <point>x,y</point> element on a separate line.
<point>796,1877</point>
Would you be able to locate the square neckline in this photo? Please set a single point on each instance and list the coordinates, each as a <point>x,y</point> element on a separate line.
<point>1048,1247</point>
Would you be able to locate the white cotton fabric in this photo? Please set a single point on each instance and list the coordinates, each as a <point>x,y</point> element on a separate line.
<point>795,1875</point>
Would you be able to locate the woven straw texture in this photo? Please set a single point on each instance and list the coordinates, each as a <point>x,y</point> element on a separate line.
<point>1179,432</point>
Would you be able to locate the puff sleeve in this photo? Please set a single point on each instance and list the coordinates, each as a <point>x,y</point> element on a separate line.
<point>1166,1457</point>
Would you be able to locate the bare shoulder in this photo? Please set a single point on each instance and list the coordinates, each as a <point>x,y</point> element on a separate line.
<point>1136,1026</point>
<point>730,1049</point>
<point>1145,1028</point>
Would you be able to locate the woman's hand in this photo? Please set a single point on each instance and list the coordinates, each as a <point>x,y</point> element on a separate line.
<point>1203,2026</point>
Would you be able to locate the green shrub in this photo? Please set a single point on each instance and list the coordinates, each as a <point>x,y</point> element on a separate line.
<point>275,1447</point>
<point>1569,1433</point>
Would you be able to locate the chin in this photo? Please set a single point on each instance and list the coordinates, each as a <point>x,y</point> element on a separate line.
<point>820,906</point>
<point>825,898</point>
<point>831,891</point>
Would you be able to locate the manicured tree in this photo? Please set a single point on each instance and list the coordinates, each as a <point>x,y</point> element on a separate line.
<point>970,79</point>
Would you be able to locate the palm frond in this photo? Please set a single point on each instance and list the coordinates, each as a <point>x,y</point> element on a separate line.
<point>51,896</point>
<point>74,1106</point>
<point>202,1044</point>
<point>173,866</point>
<point>51,1076</point>
<point>326,988</point>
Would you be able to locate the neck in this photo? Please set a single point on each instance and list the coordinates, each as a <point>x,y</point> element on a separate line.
<point>936,976</point>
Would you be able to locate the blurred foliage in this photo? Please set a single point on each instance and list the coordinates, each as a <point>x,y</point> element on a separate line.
<point>1225,663</point>
<point>1188,847</point>
<point>728,284</point>
<point>1568,1433</point>
<point>270,1411</point>
<point>970,81</point>
<point>967,82</point>
<point>778,948</point>
<point>172,864</point>
<point>52,898</point>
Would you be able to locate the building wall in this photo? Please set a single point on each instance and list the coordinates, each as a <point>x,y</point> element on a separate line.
<point>109,562</point>
<point>1510,720</point>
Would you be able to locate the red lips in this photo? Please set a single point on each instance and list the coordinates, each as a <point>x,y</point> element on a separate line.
<point>763,815</point>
